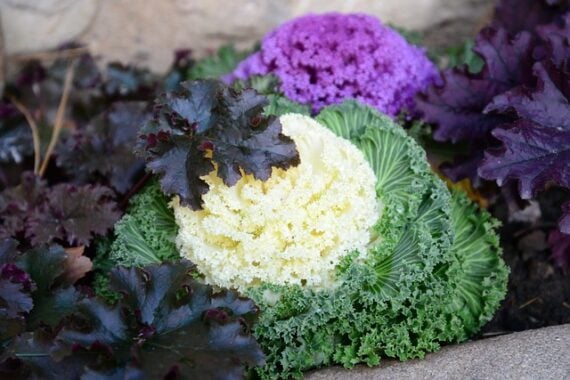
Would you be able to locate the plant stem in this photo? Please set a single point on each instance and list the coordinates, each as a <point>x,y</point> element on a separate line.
<point>34,127</point>
<point>59,118</point>
<point>52,55</point>
<point>135,189</point>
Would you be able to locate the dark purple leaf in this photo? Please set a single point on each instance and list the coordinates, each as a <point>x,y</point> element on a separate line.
<point>546,104</point>
<point>104,149</point>
<point>565,220</point>
<point>54,296</point>
<point>518,15</point>
<point>15,292</point>
<point>32,359</point>
<point>16,204</point>
<point>457,105</point>
<point>128,80</point>
<point>531,154</point>
<point>557,36</point>
<point>465,167</point>
<point>167,323</point>
<point>560,246</point>
<point>72,214</point>
<point>15,135</point>
<point>203,123</point>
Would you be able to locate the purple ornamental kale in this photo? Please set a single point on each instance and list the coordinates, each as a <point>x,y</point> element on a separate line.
<point>324,59</point>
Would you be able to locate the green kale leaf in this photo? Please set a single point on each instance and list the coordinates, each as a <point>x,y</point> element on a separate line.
<point>145,235</point>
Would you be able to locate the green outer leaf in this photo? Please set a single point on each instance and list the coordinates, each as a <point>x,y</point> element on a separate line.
<point>412,291</point>
<point>279,105</point>
<point>145,235</point>
<point>264,84</point>
<point>477,272</point>
<point>224,61</point>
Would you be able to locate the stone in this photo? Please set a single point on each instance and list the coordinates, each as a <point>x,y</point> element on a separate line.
<point>146,32</point>
<point>32,25</point>
<point>533,354</point>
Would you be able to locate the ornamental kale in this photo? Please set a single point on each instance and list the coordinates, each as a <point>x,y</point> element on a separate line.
<point>143,235</point>
<point>206,126</point>
<point>514,113</point>
<point>325,59</point>
<point>432,274</point>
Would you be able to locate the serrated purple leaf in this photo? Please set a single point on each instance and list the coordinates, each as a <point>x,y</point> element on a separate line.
<point>546,104</point>
<point>457,105</point>
<point>560,246</point>
<point>565,220</point>
<point>558,37</point>
<point>465,167</point>
<point>159,326</point>
<point>532,155</point>
<point>518,15</point>
<point>206,122</point>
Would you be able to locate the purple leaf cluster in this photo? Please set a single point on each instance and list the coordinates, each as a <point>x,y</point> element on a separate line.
<point>166,324</point>
<point>515,113</point>
<point>325,59</point>
<point>204,123</point>
<point>62,213</point>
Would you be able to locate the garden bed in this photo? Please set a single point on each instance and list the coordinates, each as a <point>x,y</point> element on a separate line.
<point>336,196</point>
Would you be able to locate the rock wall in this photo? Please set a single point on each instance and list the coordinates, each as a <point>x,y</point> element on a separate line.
<point>147,31</point>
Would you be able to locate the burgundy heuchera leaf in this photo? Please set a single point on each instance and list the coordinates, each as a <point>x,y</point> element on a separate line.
<point>565,220</point>
<point>531,154</point>
<point>518,15</point>
<point>457,105</point>
<point>560,245</point>
<point>206,122</point>
<point>536,148</point>
<point>64,212</point>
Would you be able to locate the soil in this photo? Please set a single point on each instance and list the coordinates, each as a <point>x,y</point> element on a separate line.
<point>538,291</point>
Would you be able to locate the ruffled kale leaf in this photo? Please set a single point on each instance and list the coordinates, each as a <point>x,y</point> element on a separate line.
<point>146,233</point>
<point>104,148</point>
<point>223,62</point>
<point>64,212</point>
<point>166,324</point>
<point>206,126</point>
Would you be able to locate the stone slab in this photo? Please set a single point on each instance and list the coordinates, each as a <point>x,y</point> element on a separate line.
<point>533,354</point>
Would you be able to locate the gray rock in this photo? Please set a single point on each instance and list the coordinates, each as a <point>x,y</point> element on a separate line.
<point>534,354</point>
<point>146,32</point>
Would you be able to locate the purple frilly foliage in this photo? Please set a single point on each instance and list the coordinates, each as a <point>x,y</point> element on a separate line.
<point>327,58</point>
